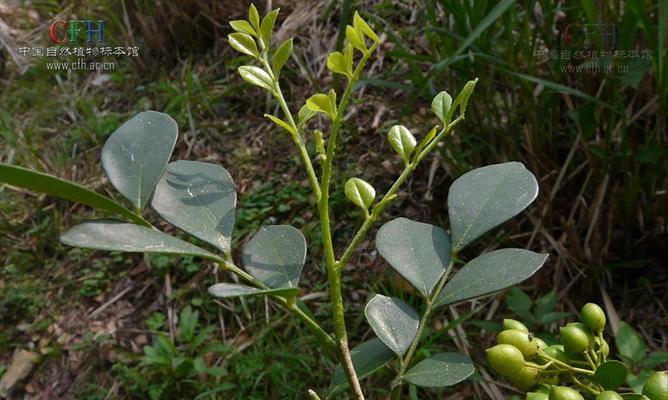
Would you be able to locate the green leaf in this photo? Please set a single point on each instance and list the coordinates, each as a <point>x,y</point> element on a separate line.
<point>440,106</point>
<point>393,321</point>
<point>520,304</point>
<point>54,186</point>
<point>304,115</point>
<point>654,359</point>
<point>629,343</point>
<point>367,358</point>
<point>337,62</point>
<point>199,198</point>
<point>486,197</point>
<point>360,193</point>
<point>130,238</point>
<point>362,27</point>
<point>610,375</point>
<point>281,56</point>
<point>402,141</point>
<point>419,252</point>
<point>136,154</point>
<point>462,100</point>
<point>496,12</point>
<point>281,123</point>
<point>427,139</point>
<point>441,370</point>
<point>243,26</point>
<point>243,43</point>
<point>256,76</point>
<point>321,103</point>
<point>490,273</point>
<point>188,320</point>
<point>267,26</point>
<point>355,39</point>
<point>229,290</point>
<point>275,255</point>
<point>254,17</point>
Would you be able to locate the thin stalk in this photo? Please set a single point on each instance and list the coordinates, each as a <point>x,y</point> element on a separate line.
<point>333,269</point>
<point>426,313</point>
<point>564,365</point>
<point>323,337</point>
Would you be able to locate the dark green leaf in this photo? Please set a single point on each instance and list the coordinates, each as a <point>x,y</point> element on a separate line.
<point>229,290</point>
<point>121,236</point>
<point>520,303</point>
<point>441,370</point>
<point>135,155</point>
<point>490,273</point>
<point>629,343</point>
<point>419,252</point>
<point>610,375</point>
<point>485,197</point>
<point>368,358</point>
<point>393,321</point>
<point>654,359</point>
<point>199,198</point>
<point>54,186</point>
<point>276,255</point>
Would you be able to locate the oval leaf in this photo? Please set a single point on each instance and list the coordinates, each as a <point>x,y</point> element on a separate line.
<point>54,186</point>
<point>276,255</point>
<point>229,290</point>
<point>367,358</point>
<point>393,321</point>
<point>199,198</point>
<point>490,273</point>
<point>243,26</point>
<point>121,236</point>
<point>136,154</point>
<point>337,62</point>
<point>281,56</point>
<point>321,103</point>
<point>360,193</point>
<point>256,76</point>
<point>402,141</point>
<point>267,26</point>
<point>441,106</point>
<point>485,197</point>
<point>610,375</point>
<point>441,370</point>
<point>243,43</point>
<point>417,251</point>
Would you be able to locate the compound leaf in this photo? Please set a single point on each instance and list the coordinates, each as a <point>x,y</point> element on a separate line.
<point>275,255</point>
<point>485,197</point>
<point>417,251</point>
<point>393,321</point>
<point>136,154</point>
<point>199,198</point>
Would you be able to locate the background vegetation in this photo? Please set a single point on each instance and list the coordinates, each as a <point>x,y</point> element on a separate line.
<point>595,139</point>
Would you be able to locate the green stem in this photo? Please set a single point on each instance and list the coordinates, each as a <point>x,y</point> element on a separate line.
<point>564,365</point>
<point>426,313</point>
<point>323,337</point>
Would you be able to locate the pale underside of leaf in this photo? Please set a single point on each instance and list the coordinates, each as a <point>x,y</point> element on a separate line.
<point>440,370</point>
<point>394,322</point>
<point>230,290</point>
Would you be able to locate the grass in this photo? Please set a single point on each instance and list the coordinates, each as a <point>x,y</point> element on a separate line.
<point>596,141</point>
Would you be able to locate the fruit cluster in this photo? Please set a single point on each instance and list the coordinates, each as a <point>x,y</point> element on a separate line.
<point>580,360</point>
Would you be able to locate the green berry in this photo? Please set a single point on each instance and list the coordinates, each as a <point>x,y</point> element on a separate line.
<point>593,317</point>
<point>609,395</point>
<point>564,393</point>
<point>536,396</point>
<point>574,339</point>
<point>520,339</point>
<point>541,343</point>
<point>603,346</point>
<point>514,324</point>
<point>505,359</point>
<point>656,386</point>
<point>525,378</point>
<point>551,380</point>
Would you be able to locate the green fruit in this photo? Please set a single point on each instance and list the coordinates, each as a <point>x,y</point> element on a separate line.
<point>574,339</point>
<point>520,339</point>
<point>656,386</point>
<point>603,346</point>
<point>514,324</point>
<point>609,395</point>
<point>525,378</point>
<point>551,380</point>
<point>593,317</point>
<point>564,393</point>
<point>505,359</point>
<point>556,351</point>
<point>536,396</point>
<point>541,343</point>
